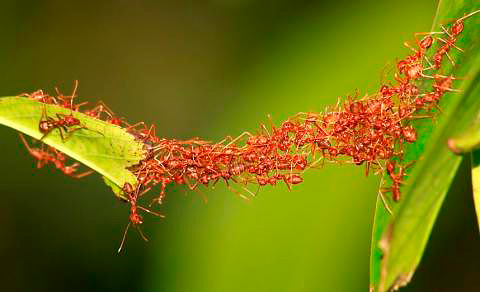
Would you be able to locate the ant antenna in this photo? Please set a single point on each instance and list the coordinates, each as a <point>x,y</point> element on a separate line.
<point>74,93</point>
<point>468,15</point>
<point>123,239</point>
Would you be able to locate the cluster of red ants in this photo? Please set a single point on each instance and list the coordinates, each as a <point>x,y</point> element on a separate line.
<point>370,130</point>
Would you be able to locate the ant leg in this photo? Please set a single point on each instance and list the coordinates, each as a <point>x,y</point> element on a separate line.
<point>382,196</point>
<point>75,88</point>
<point>286,182</point>
<point>151,212</point>
<point>66,98</point>
<point>46,134</point>
<point>409,164</point>
<point>468,15</point>
<point>450,58</point>
<point>367,167</point>
<point>97,111</point>
<point>141,233</point>
<point>144,192</point>
<point>44,116</point>
<point>74,93</point>
<point>35,153</point>
<point>194,188</point>
<point>446,31</point>
<point>25,143</point>
<point>104,108</point>
<point>77,106</point>
<point>238,138</point>
<point>266,130</point>
<point>60,132</point>
<point>271,123</point>
<point>452,44</point>
<point>407,45</point>
<point>236,192</point>
<point>83,174</point>
<point>426,33</point>
<point>113,119</point>
<point>384,201</point>
<point>41,160</point>
<point>132,127</point>
<point>249,191</point>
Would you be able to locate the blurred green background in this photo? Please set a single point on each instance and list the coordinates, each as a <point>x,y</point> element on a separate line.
<point>209,69</point>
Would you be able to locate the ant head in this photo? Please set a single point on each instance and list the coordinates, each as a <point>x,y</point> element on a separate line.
<point>409,134</point>
<point>44,126</point>
<point>136,219</point>
<point>127,188</point>
<point>91,113</point>
<point>262,181</point>
<point>457,28</point>
<point>391,167</point>
<point>426,42</point>
<point>356,107</point>
<point>288,126</point>
<point>116,121</point>
<point>294,179</point>
<point>38,95</point>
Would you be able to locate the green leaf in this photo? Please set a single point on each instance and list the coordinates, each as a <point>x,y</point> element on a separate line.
<point>466,141</point>
<point>475,156</point>
<point>105,148</point>
<point>398,240</point>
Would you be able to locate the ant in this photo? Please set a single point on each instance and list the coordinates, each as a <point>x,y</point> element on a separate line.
<point>101,108</point>
<point>67,100</point>
<point>57,158</point>
<point>455,30</point>
<point>397,178</point>
<point>62,123</point>
<point>135,219</point>
<point>42,156</point>
<point>39,96</point>
<point>145,134</point>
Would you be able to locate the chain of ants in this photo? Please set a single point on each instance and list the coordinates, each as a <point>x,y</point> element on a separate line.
<point>371,130</point>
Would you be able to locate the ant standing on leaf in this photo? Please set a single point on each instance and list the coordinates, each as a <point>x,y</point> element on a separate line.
<point>67,100</point>
<point>397,178</point>
<point>101,109</point>
<point>39,96</point>
<point>62,123</point>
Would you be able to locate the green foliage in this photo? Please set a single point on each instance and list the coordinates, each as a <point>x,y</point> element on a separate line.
<point>105,148</point>
<point>398,240</point>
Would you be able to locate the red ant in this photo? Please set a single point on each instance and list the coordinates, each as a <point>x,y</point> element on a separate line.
<point>397,178</point>
<point>101,107</point>
<point>455,30</point>
<point>135,219</point>
<point>67,101</point>
<point>411,65</point>
<point>39,96</point>
<point>42,156</point>
<point>62,123</point>
<point>146,134</point>
<point>58,159</point>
